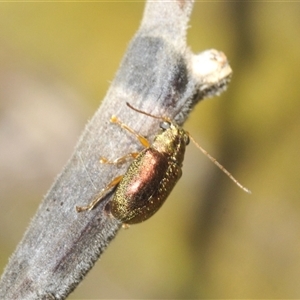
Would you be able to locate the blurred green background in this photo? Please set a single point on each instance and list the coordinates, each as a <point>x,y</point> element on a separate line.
<point>210,240</point>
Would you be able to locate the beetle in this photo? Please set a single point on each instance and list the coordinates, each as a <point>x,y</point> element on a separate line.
<point>152,175</point>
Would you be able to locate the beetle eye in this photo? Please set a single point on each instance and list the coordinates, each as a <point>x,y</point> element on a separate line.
<point>165,125</point>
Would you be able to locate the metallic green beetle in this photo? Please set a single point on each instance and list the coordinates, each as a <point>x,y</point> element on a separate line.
<point>151,176</point>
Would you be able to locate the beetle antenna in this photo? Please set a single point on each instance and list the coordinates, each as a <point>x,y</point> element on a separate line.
<point>219,166</point>
<point>143,112</point>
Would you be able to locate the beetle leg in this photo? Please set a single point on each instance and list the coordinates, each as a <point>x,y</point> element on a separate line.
<point>100,196</point>
<point>144,142</point>
<point>125,226</point>
<point>119,160</point>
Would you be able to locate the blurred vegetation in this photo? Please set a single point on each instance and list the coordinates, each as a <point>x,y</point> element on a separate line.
<point>210,240</point>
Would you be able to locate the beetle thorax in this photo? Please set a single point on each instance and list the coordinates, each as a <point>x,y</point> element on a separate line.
<point>172,142</point>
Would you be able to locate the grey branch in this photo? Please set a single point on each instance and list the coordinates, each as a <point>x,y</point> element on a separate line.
<point>158,75</point>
